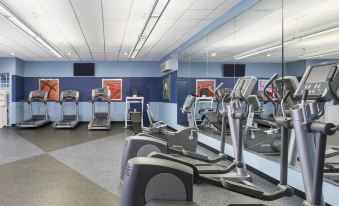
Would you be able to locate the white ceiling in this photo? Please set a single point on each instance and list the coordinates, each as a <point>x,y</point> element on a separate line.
<point>104,30</point>
<point>261,27</point>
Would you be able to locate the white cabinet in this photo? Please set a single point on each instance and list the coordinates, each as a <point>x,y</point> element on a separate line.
<point>3,108</point>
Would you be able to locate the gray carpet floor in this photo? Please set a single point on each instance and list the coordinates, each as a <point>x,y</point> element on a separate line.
<point>79,167</point>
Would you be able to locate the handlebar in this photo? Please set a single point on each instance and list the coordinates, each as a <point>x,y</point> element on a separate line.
<point>270,81</point>
<point>98,97</point>
<point>282,103</point>
<point>218,87</point>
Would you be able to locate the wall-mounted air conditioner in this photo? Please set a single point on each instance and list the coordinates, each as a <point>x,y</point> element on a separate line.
<point>166,66</point>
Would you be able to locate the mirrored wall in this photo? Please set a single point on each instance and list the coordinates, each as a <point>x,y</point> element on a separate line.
<point>271,36</point>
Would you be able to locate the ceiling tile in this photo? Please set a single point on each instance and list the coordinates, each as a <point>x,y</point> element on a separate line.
<point>196,14</point>
<point>117,4</point>
<point>89,13</point>
<point>203,4</point>
<point>179,4</point>
<point>86,4</point>
<point>116,13</point>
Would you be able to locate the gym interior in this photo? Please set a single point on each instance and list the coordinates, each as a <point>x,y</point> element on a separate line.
<point>169,102</point>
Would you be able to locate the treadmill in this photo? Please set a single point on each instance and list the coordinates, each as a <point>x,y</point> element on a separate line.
<point>100,120</point>
<point>68,120</point>
<point>36,120</point>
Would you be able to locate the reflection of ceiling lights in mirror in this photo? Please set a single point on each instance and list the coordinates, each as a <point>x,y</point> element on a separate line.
<point>320,33</point>
<point>319,54</point>
<point>238,57</point>
<point>69,53</point>
<point>126,53</point>
<point>213,54</point>
<point>294,40</point>
<point>268,55</point>
<point>8,14</point>
<point>12,54</point>
<point>157,10</point>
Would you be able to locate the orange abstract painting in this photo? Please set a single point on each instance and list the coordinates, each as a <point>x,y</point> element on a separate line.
<point>206,84</point>
<point>115,87</point>
<point>51,86</point>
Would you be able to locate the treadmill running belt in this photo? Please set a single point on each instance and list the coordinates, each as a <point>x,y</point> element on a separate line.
<point>99,122</point>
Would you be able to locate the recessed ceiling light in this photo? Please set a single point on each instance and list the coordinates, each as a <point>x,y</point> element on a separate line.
<point>125,53</point>
<point>213,54</point>
<point>12,54</point>
<point>268,55</point>
<point>69,53</point>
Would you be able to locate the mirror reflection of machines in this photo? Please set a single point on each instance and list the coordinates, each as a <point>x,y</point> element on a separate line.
<point>134,111</point>
<point>100,120</point>
<point>36,120</point>
<point>319,86</point>
<point>262,135</point>
<point>68,120</point>
<point>212,118</point>
<point>202,103</point>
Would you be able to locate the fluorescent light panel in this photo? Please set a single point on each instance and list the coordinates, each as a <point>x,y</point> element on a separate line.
<point>134,54</point>
<point>157,10</point>
<point>159,7</point>
<point>7,13</point>
<point>149,26</point>
<point>238,57</point>
<point>325,53</point>
<point>140,43</point>
<point>257,52</point>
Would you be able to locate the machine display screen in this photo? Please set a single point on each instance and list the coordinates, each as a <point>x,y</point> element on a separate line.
<point>242,84</point>
<point>318,74</point>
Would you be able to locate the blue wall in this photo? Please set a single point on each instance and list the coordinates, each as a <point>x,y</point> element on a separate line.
<point>102,69</point>
<point>128,71</point>
<point>215,69</point>
<point>85,84</point>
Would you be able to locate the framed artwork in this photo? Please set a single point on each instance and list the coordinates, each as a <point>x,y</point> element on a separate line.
<point>115,86</point>
<point>261,86</point>
<point>51,86</point>
<point>205,83</point>
<point>167,88</point>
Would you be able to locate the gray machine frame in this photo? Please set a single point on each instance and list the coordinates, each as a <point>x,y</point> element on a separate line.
<point>241,91</point>
<point>36,120</point>
<point>100,120</point>
<point>319,85</point>
<point>67,120</point>
<point>186,138</point>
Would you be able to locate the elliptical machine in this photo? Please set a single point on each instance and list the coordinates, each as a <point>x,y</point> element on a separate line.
<point>186,138</point>
<point>261,139</point>
<point>319,85</point>
<point>145,177</point>
<point>213,119</point>
<point>141,146</point>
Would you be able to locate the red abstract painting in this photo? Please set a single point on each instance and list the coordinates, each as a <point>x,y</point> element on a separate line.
<point>115,87</point>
